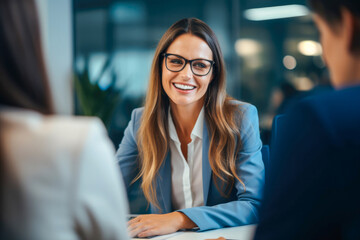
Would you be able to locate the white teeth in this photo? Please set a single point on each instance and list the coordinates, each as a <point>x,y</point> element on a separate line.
<point>183,87</point>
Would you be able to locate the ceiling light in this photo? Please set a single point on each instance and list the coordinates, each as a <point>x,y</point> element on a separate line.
<point>268,13</point>
<point>247,47</point>
<point>289,62</point>
<point>309,48</point>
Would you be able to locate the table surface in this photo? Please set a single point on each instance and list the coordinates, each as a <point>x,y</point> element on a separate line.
<point>241,233</point>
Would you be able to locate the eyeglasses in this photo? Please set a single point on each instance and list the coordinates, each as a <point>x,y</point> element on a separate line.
<point>176,63</point>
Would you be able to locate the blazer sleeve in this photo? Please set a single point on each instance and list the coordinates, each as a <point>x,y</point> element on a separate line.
<point>127,158</point>
<point>250,168</point>
<point>101,206</point>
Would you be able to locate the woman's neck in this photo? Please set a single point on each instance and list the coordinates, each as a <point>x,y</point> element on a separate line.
<point>184,118</point>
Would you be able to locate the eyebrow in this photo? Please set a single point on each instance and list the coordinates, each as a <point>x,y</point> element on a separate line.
<point>200,58</point>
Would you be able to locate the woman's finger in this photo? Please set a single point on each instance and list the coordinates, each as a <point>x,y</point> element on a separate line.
<point>148,233</point>
<point>134,220</point>
<point>139,228</point>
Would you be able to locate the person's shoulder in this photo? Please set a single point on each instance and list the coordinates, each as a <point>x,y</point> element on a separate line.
<point>244,110</point>
<point>71,136</point>
<point>56,141</point>
<point>337,111</point>
<point>73,128</point>
<point>137,113</point>
<point>337,102</point>
<point>245,114</point>
<point>241,105</point>
<point>331,112</point>
<point>49,127</point>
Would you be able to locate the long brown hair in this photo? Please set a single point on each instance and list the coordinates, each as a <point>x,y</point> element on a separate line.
<point>220,114</point>
<point>23,79</point>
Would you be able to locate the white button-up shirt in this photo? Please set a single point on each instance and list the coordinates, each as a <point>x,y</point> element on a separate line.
<point>186,176</point>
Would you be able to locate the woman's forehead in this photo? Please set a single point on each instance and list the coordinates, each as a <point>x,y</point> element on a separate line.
<point>190,47</point>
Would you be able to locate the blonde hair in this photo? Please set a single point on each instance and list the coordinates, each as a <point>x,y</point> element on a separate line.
<point>221,115</point>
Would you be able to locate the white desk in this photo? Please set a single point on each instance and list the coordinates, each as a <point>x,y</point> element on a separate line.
<point>241,233</point>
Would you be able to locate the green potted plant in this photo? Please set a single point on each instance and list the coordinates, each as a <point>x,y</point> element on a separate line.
<point>93,99</point>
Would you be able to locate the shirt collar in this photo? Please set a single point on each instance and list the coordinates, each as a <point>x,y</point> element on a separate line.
<point>172,130</point>
<point>196,132</point>
<point>199,125</point>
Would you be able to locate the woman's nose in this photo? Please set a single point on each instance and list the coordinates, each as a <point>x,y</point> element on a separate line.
<point>187,73</point>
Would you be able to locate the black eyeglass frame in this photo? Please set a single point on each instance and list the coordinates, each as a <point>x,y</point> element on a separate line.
<point>212,63</point>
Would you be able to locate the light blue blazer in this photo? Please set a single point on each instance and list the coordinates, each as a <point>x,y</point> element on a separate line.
<point>240,207</point>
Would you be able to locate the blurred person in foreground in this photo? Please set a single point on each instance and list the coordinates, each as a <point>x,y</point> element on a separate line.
<point>58,175</point>
<point>315,166</point>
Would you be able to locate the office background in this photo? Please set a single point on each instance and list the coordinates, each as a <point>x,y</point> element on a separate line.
<point>272,55</point>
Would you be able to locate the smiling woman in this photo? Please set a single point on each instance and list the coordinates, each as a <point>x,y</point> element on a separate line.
<point>192,150</point>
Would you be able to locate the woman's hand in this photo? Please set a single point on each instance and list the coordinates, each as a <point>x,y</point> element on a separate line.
<point>158,224</point>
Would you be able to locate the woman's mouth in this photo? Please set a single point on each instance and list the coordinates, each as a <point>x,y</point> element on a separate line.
<point>183,87</point>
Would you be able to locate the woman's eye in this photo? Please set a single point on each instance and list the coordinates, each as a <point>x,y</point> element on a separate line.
<point>176,61</point>
<point>199,65</point>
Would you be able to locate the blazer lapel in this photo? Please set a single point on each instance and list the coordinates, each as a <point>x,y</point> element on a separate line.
<point>163,187</point>
<point>206,169</point>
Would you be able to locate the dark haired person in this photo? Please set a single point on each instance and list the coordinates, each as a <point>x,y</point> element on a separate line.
<point>192,148</point>
<point>58,179</point>
<point>313,191</point>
